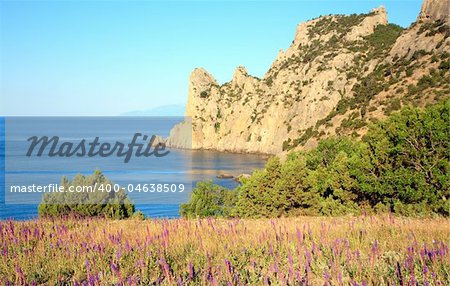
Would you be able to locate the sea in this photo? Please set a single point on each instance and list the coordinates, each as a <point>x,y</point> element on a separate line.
<point>180,166</point>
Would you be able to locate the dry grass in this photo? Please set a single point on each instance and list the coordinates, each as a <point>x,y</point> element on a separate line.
<point>366,250</point>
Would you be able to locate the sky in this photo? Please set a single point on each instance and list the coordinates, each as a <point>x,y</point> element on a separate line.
<point>105,58</point>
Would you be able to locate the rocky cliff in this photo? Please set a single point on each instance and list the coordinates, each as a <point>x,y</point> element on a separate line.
<point>339,73</point>
<point>433,10</point>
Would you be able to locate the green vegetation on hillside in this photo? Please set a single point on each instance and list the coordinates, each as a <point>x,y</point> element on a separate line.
<point>374,46</point>
<point>401,165</point>
<point>98,198</point>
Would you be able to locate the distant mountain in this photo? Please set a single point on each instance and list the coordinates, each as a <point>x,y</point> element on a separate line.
<point>340,73</point>
<point>163,110</point>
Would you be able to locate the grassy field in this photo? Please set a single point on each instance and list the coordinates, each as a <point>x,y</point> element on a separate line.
<point>366,250</point>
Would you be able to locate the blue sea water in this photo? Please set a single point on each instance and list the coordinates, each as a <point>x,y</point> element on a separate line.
<point>186,166</point>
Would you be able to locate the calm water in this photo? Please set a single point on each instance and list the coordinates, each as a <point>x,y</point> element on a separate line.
<point>188,166</point>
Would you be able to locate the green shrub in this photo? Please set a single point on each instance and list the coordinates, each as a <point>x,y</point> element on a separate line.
<point>445,65</point>
<point>409,71</point>
<point>209,200</point>
<point>96,203</point>
<point>383,37</point>
<point>410,155</point>
<point>216,126</point>
<point>394,105</point>
<point>310,183</point>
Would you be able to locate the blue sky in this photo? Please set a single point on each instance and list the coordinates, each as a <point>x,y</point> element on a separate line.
<point>111,57</point>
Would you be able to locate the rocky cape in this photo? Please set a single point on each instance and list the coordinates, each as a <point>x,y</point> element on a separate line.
<point>340,73</point>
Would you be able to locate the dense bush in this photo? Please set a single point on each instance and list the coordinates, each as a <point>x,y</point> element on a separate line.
<point>208,200</point>
<point>410,154</point>
<point>320,182</point>
<point>402,165</point>
<point>99,202</point>
<point>383,37</point>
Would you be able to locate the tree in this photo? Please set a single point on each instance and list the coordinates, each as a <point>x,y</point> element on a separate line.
<point>410,152</point>
<point>332,172</point>
<point>98,202</point>
<point>258,196</point>
<point>209,200</point>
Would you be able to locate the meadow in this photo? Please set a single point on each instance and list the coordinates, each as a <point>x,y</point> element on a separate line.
<point>363,250</point>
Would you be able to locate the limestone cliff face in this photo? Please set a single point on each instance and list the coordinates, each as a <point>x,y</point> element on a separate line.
<point>310,89</point>
<point>433,10</point>
<point>424,34</point>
